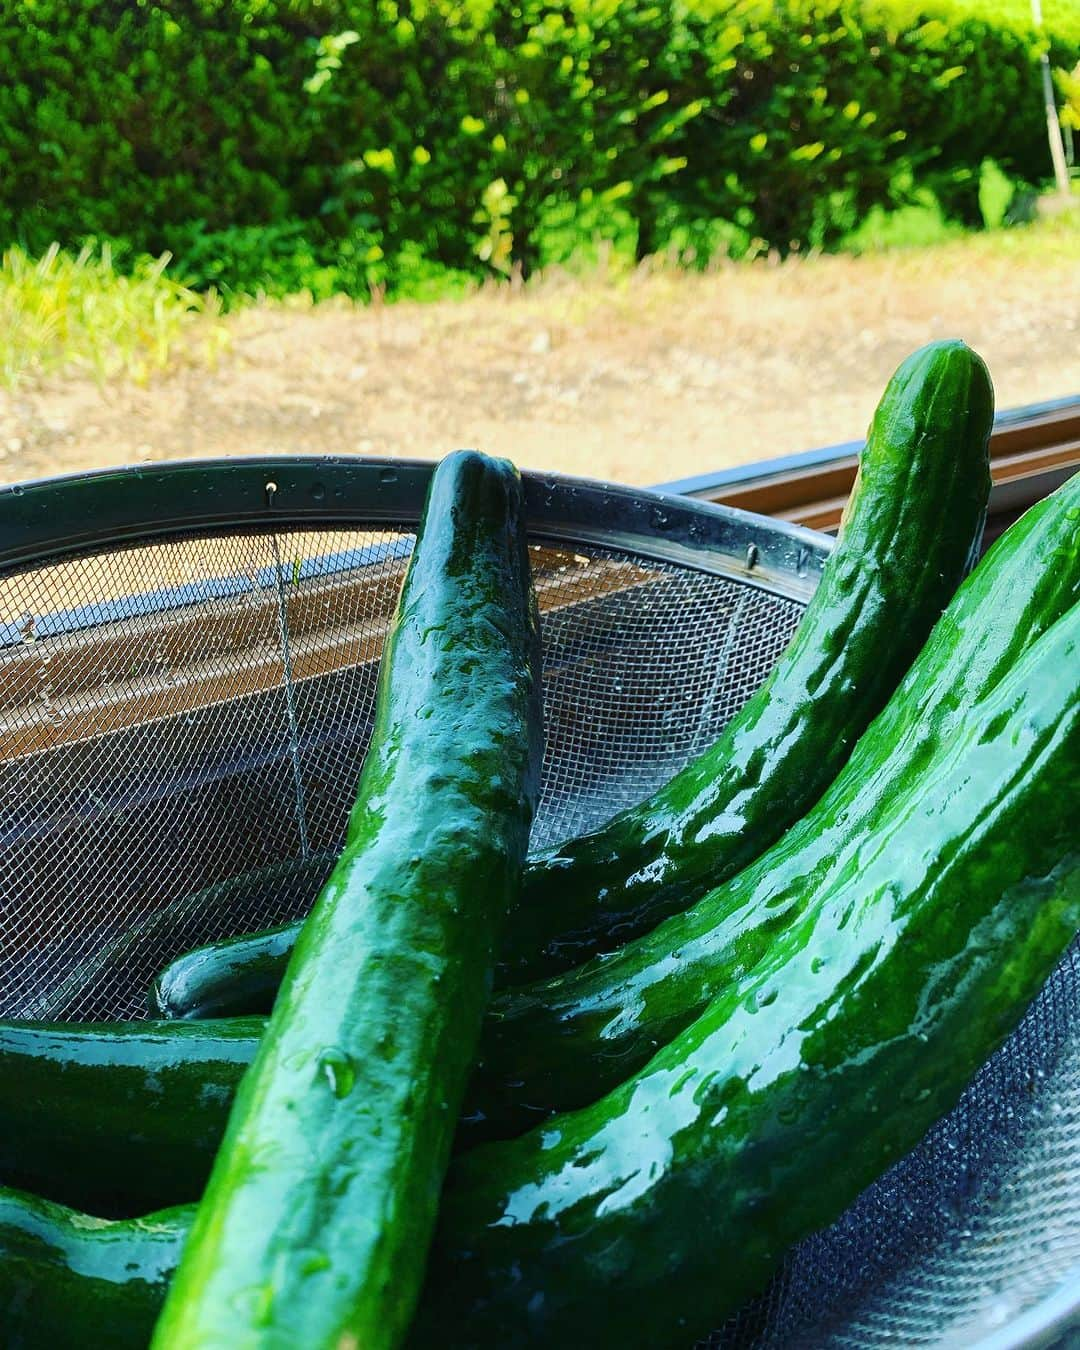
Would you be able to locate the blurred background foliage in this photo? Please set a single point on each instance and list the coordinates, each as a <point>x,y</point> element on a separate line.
<point>386,146</point>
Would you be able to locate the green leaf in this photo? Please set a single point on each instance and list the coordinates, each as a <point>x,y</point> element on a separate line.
<point>948,76</point>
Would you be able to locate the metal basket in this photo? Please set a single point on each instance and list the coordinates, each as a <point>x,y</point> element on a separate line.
<point>188,657</point>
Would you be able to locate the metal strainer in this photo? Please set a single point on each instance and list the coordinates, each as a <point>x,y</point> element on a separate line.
<point>188,657</point>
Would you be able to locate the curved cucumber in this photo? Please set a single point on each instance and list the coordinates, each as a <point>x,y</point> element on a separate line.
<point>232,977</point>
<point>563,1042</point>
<point>68,1281</point>
<point>578,1034</point>
<point>911,528</point>
<point>805,1079</point>
<point>314,1227</point>
<point>119,1117</point>
<point>235,976</point>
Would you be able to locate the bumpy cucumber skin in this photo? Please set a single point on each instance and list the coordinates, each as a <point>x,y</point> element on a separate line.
<point>563,1042</point>
<point>315,1224</point>
<point>646,1218</point>
<point>117,1118</point>
<point>68,1282</point>
<point>911,529</point>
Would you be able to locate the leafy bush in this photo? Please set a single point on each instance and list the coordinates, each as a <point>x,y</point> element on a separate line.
<point>1068,82</point>
<point>297,256</point>
<point>274,260</point>
<point>352,144</point>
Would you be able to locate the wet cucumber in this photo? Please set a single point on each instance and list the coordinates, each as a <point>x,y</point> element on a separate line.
<point>567,1040</point>
<point>121,1117</point>
<point>562,1042</point>
<point>235,976</point>
<point>285,883</point>
<point>576,1034</point>
<point>911,528</point>
<point>232,977</point>
<point>314,1226</point>
<point>69,1282</point>
<point>644,1219</point>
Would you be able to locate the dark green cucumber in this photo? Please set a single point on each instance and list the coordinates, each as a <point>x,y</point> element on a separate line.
<point>646,1218</point>
<point>314,1226</point>
<point>70,1282</point>
<point>237,975</point>
<point>912,527</point>
<point>911,530</point>
<point>232,977</point>
<point>562,1042</point>
<point>580,1033</point>
<point>119,1117</point>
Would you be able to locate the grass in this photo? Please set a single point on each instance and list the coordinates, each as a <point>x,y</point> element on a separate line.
<point>84,316</point>
<point>80,314</point>
<point>637,374</point>
<point>909,265</point>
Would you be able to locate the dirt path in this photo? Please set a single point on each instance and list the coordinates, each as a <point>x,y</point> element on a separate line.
<point>646,378</point>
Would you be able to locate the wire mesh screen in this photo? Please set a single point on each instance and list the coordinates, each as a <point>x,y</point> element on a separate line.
<point>181,729</point>
<point>182,726</point>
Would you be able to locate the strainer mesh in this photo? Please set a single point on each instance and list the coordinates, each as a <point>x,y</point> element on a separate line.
<point>181,728</point>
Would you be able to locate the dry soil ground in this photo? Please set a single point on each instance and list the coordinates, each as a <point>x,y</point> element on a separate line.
<point>643,378</point>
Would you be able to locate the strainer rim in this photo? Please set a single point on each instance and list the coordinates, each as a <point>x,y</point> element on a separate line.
<point>65,514</point>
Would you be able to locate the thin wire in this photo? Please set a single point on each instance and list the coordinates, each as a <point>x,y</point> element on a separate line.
<point>290,703</point>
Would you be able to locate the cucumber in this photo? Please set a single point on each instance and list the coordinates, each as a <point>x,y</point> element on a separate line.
<point>235,976</point>
<point>68,1282</point>
<point>563,1042</point>
<point>646,1218</point>
<point>577,1034</point>
<point>117,1118</point>
<point>911,530</point>
<point>314,1226</point>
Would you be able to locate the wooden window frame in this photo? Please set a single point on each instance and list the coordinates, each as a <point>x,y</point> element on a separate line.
<point>1032,451</point>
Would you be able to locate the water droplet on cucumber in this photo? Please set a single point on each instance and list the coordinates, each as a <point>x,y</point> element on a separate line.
<point>339,1071</point>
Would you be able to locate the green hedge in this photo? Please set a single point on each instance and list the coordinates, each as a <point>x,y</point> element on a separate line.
<point>364,137</point>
